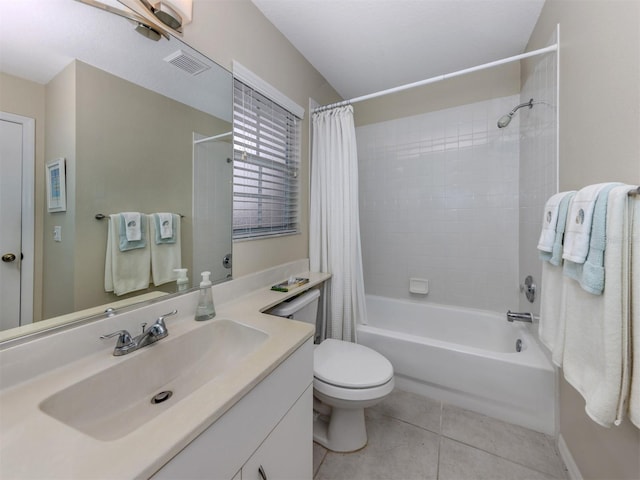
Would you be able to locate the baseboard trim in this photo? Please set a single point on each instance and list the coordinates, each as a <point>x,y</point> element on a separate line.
<point>567,458</point>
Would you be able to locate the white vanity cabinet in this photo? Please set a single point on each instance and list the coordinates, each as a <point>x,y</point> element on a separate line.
<point>266,435</point>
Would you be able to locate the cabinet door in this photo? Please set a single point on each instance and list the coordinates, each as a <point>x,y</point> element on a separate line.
<point>287,453</point>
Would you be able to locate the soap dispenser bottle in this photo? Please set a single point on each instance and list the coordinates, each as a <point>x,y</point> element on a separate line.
<point>205,309</point>
<point>182,281</point>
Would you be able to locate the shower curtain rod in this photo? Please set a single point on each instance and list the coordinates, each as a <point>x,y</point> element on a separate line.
<point>438,78</point>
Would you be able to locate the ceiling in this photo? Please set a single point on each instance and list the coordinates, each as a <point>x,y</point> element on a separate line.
<point>364,46</point>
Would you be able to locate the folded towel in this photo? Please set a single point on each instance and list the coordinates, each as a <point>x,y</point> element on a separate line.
<point>124,271</point>
<point>553,254</point>
<point>550,222</point>
<point>158,224</point>
<point>125,244</point>
<point>558,244</point>
<point>133,223</point>
<point>166,256</point>
<point>578,228</point>
<point>592,277</point>
<point>593,360</point>
<point>166,225</point>
<point>633,353</point>
<point>590,274</point>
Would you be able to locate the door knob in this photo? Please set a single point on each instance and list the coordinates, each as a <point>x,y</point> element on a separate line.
<point>8,257</point>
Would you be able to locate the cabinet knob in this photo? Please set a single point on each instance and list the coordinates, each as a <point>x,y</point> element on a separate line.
<point>262,473</point>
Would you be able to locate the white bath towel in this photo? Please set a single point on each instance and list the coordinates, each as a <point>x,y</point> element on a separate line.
<point>165,256</point>
<point>124,271</point>
<point>552,319</point>
<point>578,228</point>
<point>550,222</point>
<point>593,359</point>
<point>634,321</point>
<point>166,225</point>
<point>132,222</point>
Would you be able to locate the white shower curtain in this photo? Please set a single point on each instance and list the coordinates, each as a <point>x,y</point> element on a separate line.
<point>334,230</point>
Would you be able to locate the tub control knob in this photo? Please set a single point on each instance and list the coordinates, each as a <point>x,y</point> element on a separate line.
<point>529,289</point>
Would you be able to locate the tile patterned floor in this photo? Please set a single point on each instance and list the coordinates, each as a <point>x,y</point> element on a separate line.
<point>413,437</point>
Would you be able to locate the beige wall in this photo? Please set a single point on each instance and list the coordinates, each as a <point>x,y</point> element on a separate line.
<point>60,142</point>
<point>599,141</point>
<point>227,30</point>
<point>26,98</point>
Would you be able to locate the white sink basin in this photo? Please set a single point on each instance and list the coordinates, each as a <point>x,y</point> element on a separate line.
<point>117,400</point>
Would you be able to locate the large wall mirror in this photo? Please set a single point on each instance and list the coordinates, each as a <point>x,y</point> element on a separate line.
<point>143,125</point>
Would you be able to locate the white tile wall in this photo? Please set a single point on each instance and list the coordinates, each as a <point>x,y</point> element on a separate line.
<point>439,200</point>
<point>538,164</point>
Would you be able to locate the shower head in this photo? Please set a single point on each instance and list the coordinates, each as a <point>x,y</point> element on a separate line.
<point>506,119</point>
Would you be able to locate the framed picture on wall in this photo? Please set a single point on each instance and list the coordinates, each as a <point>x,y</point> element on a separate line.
<point>56,185</point>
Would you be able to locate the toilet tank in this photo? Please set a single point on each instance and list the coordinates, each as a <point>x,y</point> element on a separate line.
<point>304,307</point>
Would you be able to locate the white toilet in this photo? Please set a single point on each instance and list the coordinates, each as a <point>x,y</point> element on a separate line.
<point>347,377</point>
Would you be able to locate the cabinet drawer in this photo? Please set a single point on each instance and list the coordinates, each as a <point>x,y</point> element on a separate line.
<point>287,453</point>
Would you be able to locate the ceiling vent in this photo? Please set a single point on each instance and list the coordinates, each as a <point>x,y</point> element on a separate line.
<point>187,63</point>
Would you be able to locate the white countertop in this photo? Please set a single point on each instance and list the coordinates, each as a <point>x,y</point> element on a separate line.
<point>35,445</point>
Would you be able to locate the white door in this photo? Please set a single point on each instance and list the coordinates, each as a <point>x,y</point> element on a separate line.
<point>17,170</point>
<point>10,219</point>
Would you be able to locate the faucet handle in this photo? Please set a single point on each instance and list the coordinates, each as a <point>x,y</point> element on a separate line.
<point>160,320</point>
<point>124,338</point>
<point>164,315</point>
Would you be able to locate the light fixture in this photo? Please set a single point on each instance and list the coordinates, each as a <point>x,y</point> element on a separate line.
<point>147,31</point>
<point>174,14</point>
<point>144,26</point>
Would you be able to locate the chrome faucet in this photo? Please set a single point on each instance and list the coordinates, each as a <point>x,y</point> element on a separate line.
<point>521,317</point>
<point>155,332</point>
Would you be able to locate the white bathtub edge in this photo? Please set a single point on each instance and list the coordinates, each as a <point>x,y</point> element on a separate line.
<point>477,404</point>
<point>567,458</point>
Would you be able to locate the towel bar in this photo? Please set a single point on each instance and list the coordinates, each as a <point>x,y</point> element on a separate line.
<point>102,216</point>
<point>634,192</point>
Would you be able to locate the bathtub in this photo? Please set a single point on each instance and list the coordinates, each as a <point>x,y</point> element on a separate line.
<point>465,357</point>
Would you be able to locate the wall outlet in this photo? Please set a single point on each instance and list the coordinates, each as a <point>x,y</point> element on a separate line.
<point>57,233</point>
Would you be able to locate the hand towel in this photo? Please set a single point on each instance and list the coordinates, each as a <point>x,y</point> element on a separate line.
<point>132,222</point>
<point>578,229</point>
<point>554,254</point>
<point>633,353</point>
<point>158,228</point>
<point>165,221</point>
<point>593,360</point>
<point>592,276</point>
<point>558,244</point>
<point>550,222</point>
<point>165,256</point>
<point>126,244</point>
<point>124,271</point>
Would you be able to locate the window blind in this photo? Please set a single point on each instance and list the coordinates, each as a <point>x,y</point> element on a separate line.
<point>266,154</point>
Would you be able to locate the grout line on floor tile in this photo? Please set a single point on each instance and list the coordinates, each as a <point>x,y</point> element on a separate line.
<point>326,452</point>
<point>496,455</point>
<point>438,464</point>
<point>408,423</point>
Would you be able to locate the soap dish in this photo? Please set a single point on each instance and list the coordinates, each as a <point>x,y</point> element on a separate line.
<point>419,285</point>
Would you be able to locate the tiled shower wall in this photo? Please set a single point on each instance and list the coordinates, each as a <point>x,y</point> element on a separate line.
<point>538,163</point>
<point>439,201</point>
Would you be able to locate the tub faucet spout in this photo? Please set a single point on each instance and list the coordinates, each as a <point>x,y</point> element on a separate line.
<point>520,317</point>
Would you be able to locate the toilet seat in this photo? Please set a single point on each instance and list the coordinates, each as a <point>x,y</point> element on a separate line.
<point>350,371</point>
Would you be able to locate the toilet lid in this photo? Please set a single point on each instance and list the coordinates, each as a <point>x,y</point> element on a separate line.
<point>349,365</point>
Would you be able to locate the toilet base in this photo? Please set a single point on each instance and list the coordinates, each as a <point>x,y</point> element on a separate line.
<point>344,432</point>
